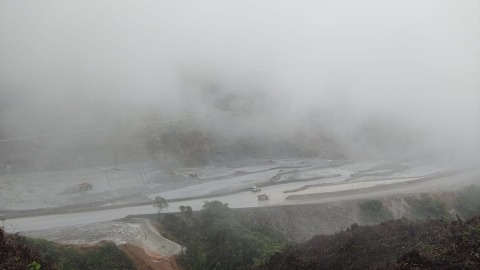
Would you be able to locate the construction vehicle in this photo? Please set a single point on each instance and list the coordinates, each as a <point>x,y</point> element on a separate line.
<point>193,175</point>
<point>85,186</point>
<point>256,189</point>
<point>263,197</point>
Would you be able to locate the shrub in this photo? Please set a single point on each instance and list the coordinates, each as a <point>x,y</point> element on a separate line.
<point>427,207</point>
<point>468,202</point>
<point>15,255</point>
<point>108,256</point>
<point>374,212</point>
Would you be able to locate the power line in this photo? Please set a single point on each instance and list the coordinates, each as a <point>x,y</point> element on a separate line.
<point>107,128</point>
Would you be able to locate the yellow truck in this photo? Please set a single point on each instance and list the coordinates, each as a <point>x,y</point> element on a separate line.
<point>85,186</point>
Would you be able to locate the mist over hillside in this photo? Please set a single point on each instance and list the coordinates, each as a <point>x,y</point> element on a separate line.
<point>262,79</point>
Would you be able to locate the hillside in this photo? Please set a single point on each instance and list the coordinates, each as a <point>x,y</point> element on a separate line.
<point>395,244</point>
<point>15,255</point>
<point>20,253</point>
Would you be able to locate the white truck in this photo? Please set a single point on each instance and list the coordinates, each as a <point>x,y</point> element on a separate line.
<point>256,189</point>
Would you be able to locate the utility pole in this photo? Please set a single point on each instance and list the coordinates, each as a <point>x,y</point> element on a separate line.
<point>116,162</point>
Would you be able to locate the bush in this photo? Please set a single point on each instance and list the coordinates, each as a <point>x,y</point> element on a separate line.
<point>14,255</point>
<point>107,256</point>
<point>373,212</point>
<point>468,202</point>
<point>427,207</point>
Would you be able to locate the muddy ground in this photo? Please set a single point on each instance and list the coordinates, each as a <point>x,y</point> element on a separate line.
<point>140,183</point>
<point>132,184</point>
<point>143,261</point>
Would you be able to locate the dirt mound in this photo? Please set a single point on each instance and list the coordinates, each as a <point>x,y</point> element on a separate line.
<point>399,244</point>
<point>145,262</point>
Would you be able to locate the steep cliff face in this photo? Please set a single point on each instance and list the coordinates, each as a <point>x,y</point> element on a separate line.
<point>302,222</point>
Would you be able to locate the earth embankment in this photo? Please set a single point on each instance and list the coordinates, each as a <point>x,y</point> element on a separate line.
<point>143,261</point>
<point>154,242</point>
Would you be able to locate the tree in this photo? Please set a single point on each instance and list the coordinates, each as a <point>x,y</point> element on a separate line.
<point>427,207</point>
<point>182,209</point>
<point>160,203</point>
<point>215,209</point>
<point>188,212</point>
<point>373,212</point>
<point>221,238</point>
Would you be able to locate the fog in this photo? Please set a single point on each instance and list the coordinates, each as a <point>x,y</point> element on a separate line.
<point>395,79</point>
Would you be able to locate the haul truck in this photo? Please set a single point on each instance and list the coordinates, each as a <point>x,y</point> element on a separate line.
<point>85,186</point>
<point>263,197</point>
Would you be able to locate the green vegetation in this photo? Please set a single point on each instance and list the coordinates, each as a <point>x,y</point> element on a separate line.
<point>373,212</point>
<point>468,202</point>
<point>427,207</point>
<point>14,255</point>
<point>107,256</point>
<point>399,244</point>
<point>34,265</point>
<point>221,238</point>
<point>160,203</point>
